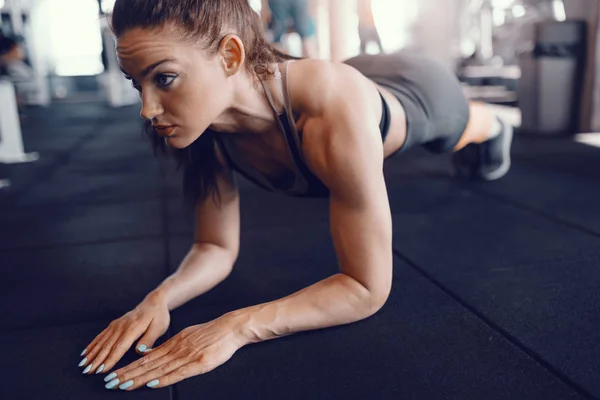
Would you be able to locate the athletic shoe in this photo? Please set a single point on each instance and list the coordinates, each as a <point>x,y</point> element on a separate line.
<point>489,160</point>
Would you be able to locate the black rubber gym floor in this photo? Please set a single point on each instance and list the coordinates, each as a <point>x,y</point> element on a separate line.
<point>496,285</point>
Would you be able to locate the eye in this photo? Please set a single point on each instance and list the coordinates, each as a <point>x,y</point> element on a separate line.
<point>165,80</point>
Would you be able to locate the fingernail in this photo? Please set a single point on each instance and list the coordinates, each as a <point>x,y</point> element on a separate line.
<point>82,363</point>
<point>153,383</point>
<point>112,384</point>
<point>83,352</point>
<point>142,348</point>
<point>109,377</point>
<point>127,384</point>
<point>100,369</point>
<point>85,371</point>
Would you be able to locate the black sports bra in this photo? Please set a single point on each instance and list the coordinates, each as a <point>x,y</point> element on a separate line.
<point>306,183</point>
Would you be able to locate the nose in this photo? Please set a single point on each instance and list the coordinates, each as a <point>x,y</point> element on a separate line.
<point>151,108</point>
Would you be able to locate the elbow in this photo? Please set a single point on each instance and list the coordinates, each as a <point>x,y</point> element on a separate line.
<point>378,296</point>
<point>372,301</point>
<point>377,301</point>
<point>227,255</point>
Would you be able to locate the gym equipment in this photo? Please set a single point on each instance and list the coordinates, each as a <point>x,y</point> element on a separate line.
<point>11,141</point>
<point>552,78</point>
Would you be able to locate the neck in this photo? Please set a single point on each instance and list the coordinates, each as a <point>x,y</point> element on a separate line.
<point>249,112</point>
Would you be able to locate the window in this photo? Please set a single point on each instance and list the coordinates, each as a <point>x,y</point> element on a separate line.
<point>75,42</point>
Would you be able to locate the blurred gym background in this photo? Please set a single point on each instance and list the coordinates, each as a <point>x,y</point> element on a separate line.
<point>496,286</point>
<point>538,56</point>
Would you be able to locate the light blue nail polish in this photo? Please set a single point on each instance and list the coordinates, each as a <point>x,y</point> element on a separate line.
<point>142,348</point>
<point>82,363</point>
<point>153,383</point>
<point>83,352</point>
<point>127,384</point>
<point>85,371</point>
<point>100,369</point>
<point>112,384</point>
<point>109,377</point>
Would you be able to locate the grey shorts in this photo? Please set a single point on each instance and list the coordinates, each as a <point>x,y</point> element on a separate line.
<point>437,111</point>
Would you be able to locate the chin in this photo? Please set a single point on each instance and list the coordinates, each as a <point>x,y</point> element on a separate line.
<point>180,142</point>
<point>176,142</point>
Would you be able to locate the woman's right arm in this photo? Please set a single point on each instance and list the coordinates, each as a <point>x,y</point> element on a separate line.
<point>209,262</point>
<point>215,248</point>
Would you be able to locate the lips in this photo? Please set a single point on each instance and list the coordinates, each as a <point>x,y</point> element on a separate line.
<point>164,130</point>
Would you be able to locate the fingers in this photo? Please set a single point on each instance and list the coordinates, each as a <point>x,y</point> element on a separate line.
<point>112,352</point>
<point>109,347</point>
<point>155,330</point>
<point>92,350</point>
<point>184,372</point>
<point>149,372</point>
<point>149,362</point>
<point>91,346</point>
<point>95,360</point>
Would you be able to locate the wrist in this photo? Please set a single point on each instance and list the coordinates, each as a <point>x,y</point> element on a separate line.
<point>162,294</point>
<point>243,323</point>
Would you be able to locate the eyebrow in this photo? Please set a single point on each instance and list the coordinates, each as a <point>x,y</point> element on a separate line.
<point>150,68</point>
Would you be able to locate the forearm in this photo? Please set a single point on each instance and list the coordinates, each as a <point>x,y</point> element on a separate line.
<point>337,300</point>
<point>203,268</point>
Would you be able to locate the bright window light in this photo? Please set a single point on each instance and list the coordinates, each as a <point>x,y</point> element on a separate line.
<point>75,37</point>
<point>256,5</point>
<point>518,11</point>
<point>393,19</point>
<point>107,6</point>
<point>559,10</point>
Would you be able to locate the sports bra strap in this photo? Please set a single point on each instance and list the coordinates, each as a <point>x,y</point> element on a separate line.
<point>287,103</point>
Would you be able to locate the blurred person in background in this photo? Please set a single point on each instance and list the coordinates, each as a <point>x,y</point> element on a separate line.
<point>367,30</point>
<point>285,16</point>
<point>14,67</point>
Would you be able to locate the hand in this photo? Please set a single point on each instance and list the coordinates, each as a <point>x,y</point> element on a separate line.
<point>195,350</point>
<point>150,318</point>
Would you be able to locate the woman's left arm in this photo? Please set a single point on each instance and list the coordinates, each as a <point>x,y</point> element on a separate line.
<point>343,148</point>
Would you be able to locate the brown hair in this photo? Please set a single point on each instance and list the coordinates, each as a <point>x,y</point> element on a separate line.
<point>207,22</point>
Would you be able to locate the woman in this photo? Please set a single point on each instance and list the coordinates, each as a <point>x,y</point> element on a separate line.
<point>367,30</point>
<point>216,95</point>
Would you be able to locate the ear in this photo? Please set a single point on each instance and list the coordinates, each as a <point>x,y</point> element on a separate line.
<point>233,54</point>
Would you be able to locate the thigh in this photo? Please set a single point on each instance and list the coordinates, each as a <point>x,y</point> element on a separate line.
<point>437,112</point>
<point>437,100</point>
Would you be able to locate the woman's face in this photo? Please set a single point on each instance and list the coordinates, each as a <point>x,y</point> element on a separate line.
<point>183,90</point>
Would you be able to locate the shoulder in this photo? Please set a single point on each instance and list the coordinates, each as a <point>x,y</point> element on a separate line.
<point>339,113</point>
<point>315,84</point>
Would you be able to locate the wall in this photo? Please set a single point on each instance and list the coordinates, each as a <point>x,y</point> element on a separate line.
<point>436,30</point>
<point>589,10</point>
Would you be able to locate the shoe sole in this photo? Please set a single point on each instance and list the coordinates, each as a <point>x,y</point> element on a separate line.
<point>505,166</point>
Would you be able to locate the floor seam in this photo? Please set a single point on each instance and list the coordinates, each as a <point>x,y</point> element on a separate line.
<point>519,205</point>
<point>496,328</point>
<point>164,203</point>
<point>81,244</point>
<point>535,211</point>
